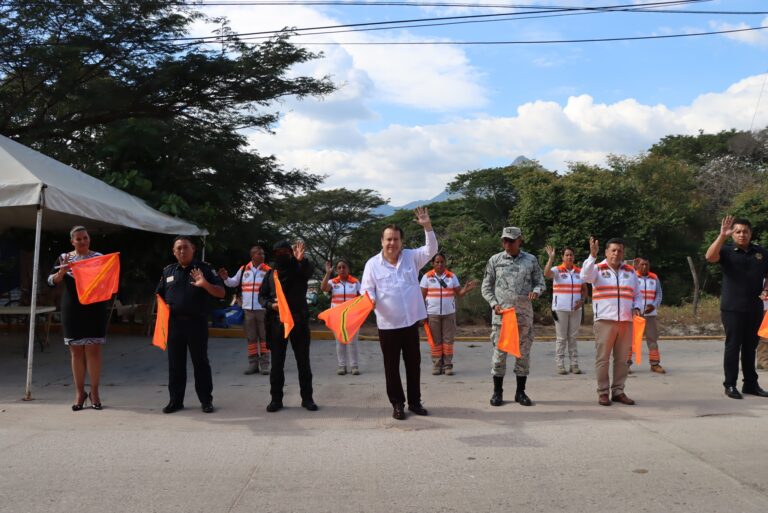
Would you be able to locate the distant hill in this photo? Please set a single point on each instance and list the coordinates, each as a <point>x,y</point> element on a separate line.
<point>388,210</point>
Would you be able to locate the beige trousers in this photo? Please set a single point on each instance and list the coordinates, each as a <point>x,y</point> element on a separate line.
<point>612,338</point>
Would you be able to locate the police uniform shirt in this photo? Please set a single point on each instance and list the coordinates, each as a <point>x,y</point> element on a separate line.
<point>743,275</point>
<point>182,296</point>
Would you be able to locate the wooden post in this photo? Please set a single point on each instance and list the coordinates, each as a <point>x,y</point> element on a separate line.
<point>695,286</point>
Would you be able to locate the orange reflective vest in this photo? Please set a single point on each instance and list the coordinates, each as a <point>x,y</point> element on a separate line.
<point>650,289</point>
<point>440,299</point>
<point>566,288</point>
<point>344,290</point>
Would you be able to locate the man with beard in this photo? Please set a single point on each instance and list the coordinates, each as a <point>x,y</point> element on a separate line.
<point>293,271</point>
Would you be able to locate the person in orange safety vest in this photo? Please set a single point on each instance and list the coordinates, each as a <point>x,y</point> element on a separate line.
<point>568,293</point>
<point>650,288</point>
<point>440,287</point>
<point>249,278</point>
<point>343,288</point>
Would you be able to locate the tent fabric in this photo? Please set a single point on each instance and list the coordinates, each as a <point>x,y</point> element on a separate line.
<point>72,194</point>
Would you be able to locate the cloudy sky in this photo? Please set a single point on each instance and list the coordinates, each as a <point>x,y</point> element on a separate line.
<point>406,119</point>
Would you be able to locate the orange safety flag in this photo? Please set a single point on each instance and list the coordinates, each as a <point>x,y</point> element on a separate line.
<point>428,331</point>
<point>763,331</point>
<point>345,319</point>
<point>282,307</point>
<point>160,338</point>
<point>638,328</point>
<point>509,337</point>
<point>96,278</point>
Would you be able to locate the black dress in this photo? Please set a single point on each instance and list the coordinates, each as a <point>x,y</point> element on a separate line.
<point>82,324</point>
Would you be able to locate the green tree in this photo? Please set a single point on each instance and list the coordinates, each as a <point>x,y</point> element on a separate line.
<point>326,219</point>
<point>115,90</point>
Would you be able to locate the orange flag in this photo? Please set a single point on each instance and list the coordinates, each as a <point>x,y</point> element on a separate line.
<point>282,307</point>
<point>428,331</point>
<point>160,338</point>
<point>345,319</point>
<point>509,338</point>
<point>763,331</point>
<point>638,328</point>
<point>96,278</point>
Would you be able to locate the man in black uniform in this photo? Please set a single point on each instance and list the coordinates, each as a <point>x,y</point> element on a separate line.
<point>293,271</point>
<point>185,286</point>
<point>745,269</point>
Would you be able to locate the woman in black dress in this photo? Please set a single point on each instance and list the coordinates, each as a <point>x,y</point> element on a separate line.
<point>85,326</point>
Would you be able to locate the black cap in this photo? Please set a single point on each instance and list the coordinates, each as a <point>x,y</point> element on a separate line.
<point>283,244</point>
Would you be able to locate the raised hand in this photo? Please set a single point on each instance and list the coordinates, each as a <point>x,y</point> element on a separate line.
<point>298,250</point>
<point>594,247</point>
<point>223,274</point>
<point>726,227</point>
<point>198,279</point>
<point>422,217</point>
<point>550,251</point>
<point>328,267</point>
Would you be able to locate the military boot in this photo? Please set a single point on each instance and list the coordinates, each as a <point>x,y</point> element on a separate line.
<point>496,398</point>
<point>520,396</point>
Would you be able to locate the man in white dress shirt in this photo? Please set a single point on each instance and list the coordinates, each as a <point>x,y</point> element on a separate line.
<point>391,280</point>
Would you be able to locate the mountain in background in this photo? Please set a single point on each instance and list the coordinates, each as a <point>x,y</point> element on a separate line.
<point>388,210</point>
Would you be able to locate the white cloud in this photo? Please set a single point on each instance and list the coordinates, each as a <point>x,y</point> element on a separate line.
<point>753,37</point>
<point>415,162</point>
<point>426,77</point>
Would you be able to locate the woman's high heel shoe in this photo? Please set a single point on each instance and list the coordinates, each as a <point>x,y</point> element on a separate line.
<point>95,406</point>
<point>79,406</point>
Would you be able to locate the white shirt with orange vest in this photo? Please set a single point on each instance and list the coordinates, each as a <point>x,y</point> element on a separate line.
<point>566,288</point>
<point>344,290</point>
<point>650,288</point>
<point>614,294</point>
<point>440,298</point>
<point>250,284</point>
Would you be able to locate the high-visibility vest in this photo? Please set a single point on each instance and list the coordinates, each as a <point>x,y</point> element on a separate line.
<point>440,298</point>
<point>344,290</point>
<point>650,289</point>
<point>614,294</point>
<point>250,284</point>
<point>566,287</point>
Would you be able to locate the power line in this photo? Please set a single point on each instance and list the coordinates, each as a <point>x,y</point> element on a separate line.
<point>405,23</point>
<point>537,42</point>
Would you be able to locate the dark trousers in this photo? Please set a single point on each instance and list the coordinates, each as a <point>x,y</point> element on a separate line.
<point>299,337</point>
<point>405,340</point>
<point>188,333</point>
<point>740,337</point>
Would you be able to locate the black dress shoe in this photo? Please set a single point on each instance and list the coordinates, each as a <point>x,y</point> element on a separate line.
<point>733,393</point>
<point>398,412</point>
<point>274,406</point>
<point>754,390</point>
<point>309,404</point>
<point>207,407</point>
<point>523,399</point>
<point>173,407</point>
<point>418,409</point>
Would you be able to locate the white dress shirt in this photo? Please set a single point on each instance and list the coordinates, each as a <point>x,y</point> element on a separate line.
<point>395,288</point>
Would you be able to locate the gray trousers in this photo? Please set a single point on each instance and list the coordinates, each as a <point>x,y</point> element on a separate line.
<point>566,330</point>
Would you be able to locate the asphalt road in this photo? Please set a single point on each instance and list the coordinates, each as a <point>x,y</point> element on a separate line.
<point>684,447</point>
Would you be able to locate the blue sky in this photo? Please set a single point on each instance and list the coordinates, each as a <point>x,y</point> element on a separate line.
<point>407,119</point>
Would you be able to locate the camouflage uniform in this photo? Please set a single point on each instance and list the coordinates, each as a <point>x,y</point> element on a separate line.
<point>507,282</point>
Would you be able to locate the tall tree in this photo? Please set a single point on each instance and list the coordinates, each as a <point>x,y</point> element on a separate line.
<point>326,219</point>
<point>114,89</point>
<point>120,90</point>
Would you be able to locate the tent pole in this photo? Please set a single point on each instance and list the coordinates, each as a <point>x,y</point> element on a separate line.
<point>33,302</point>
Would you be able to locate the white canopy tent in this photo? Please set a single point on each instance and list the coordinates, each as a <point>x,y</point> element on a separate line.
<point>31,184</point>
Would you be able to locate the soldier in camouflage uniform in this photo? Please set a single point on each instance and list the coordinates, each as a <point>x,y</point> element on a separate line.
<point>513,278</point>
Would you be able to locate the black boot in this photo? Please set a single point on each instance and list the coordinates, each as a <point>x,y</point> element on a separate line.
<point>520,396</point>
<point>496,398</point>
